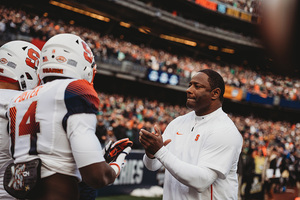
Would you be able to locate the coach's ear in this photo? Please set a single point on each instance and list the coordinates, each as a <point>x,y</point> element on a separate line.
<point>215,93</point>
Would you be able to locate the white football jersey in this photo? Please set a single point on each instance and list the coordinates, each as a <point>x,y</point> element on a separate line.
<point>38,126</point>
<point>5,159</point>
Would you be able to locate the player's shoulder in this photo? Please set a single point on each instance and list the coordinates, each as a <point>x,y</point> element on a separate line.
<point>5,93</point>
<point>81,88</point>
<point>75,86</point>
<point>58,84</point>
<point>5,98</point>
<point>8,95</point>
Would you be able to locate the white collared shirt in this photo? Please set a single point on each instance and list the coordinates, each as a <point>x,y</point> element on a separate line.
<point>211,141</point>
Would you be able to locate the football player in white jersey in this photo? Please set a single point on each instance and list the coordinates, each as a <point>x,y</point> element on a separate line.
<point>56,122</point>
<point>18,64</point>
<point>199,150</point>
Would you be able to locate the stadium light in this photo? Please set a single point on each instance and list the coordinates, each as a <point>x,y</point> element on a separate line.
<point>179,40</point>
<point>227,50</point>
<point>214,48</point>
<point>81,11</point>
<point>124,24</point>
<point>144,30</point>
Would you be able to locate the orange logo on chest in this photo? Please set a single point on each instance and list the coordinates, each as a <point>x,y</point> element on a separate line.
<point>197,137</point>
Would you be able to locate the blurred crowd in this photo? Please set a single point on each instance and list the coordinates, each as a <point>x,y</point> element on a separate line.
<point>250,6</point>
<point>268,145</point>
<point>126,115</point>
<point>119,116</point>
<point>14,23</point>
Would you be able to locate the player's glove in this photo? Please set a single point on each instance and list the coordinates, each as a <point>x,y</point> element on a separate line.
<point>111,151</point>
<point>120,161</point>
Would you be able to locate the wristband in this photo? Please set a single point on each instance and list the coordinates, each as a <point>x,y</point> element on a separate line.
<point>116,167</point>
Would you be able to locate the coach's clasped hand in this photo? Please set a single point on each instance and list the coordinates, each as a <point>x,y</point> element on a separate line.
<point>152,142</point>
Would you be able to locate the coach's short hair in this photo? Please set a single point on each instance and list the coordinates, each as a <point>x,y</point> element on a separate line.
<point>215,80</point>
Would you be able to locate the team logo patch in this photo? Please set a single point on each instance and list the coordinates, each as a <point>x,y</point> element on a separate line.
<point>3,61</point>
<point>197,137</point>
<point>22,180</point>
<point>61,59</point>
<point>17,179</point>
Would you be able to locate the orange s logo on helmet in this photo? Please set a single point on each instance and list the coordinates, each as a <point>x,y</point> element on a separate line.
<point>33,58</point>
<point>88,55</point>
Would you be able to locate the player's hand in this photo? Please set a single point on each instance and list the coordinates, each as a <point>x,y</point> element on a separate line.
<point>106,148</point>
<point>120,161</point>
<point>111,151</point>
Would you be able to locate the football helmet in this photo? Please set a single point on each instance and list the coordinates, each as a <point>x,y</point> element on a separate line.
<point>67,55</point>
<point>19,61</point>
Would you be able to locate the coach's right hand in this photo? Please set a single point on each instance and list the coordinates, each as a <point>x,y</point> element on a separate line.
<point>152,142</point>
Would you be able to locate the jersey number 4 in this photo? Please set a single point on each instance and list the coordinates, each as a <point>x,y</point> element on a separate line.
<point>27,126</point>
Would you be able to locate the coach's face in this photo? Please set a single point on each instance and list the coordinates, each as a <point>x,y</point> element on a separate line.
<point>199,94</point>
